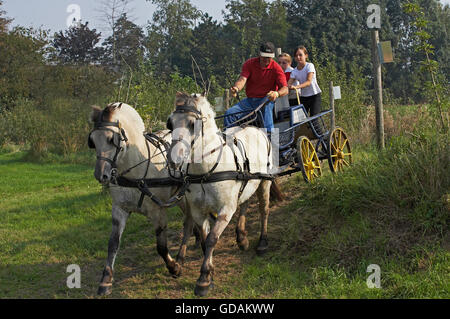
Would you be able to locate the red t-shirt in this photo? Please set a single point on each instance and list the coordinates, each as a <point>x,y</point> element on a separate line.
<point>262,80</point>
<point>288,75</point>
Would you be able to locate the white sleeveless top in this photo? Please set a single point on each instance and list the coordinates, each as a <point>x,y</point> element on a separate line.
<point>302,76</point>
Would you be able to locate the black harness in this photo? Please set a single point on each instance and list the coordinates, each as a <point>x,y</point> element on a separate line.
<point>240,174</point>
<point>118,137</point>
<point>184,180</point>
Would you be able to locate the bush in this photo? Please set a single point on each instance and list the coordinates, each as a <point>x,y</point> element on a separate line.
<point>409,179</point>
<point>153,96</point>
<point>351,109</point>
<point>60,127</point>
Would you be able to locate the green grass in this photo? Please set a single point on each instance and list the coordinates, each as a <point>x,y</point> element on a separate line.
<point>54,215</point>
<point>321,240</point>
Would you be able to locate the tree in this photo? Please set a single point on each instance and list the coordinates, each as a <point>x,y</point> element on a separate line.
<point>276,27</point>
<point>22,53</point>
<point>428,65</point>
<point>170,35</point>
<point>255,21</point>
<point>247,18</point>
<point>4,22</point>
<point>77,45</point>
<point>113,10</point>
<point>127,44</point>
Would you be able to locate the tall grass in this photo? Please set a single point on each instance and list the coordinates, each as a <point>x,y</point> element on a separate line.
<point>409,179</point>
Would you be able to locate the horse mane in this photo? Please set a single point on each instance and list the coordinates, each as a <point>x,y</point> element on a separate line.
<point>201,103</point>
<point>126,113</point>
<point>205,107</point>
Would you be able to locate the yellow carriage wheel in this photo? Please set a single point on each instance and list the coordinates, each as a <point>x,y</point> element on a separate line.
<point>339,150</point>
<point>308,161</point>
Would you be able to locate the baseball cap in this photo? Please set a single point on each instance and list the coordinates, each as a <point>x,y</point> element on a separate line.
<point>267,50</point>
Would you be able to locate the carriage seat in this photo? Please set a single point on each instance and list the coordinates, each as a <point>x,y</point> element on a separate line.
<point>283,111</point>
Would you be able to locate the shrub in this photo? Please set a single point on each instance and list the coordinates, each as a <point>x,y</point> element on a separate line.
<point>60,127</point>
<point>410,179</point>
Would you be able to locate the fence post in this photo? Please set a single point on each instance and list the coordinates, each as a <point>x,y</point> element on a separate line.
<point>226,99</point>
<point>378,93</point>
<point>333,118</point>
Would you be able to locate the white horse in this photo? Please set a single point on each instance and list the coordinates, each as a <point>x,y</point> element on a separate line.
<point>122,149</point>
<point>197,138</point>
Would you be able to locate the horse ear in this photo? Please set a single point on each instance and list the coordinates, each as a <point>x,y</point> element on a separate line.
<point>169,125</point>
<point>120,105</point>
<point>96,111</point>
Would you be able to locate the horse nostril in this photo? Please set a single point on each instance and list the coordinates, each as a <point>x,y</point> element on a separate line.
<point>105,178</point>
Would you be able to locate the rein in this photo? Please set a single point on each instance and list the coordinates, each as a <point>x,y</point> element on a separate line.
<point>117,139</point>
<point>142,184</point>
<point>241,174</point>
<point>185,180</point>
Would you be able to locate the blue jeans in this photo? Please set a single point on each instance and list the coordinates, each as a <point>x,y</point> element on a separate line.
<point>249,104</point>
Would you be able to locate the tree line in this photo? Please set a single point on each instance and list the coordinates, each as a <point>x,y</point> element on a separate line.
<point>178,32</point>
<point>182,47</point>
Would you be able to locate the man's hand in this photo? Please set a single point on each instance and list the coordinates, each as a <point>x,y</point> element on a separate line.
<point>273,95</point>
<point>234,91</point>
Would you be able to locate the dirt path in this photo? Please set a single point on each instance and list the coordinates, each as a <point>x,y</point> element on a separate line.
<point>141,281</point>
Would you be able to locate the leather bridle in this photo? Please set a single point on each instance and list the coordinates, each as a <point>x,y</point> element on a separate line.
<point>186,108</point>
<point>118,137</point>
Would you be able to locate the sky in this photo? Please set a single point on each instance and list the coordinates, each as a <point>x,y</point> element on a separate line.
<point>53,15</point>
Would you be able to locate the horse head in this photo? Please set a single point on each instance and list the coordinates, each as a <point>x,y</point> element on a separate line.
<point>114,130</point>
<point>192,119</point>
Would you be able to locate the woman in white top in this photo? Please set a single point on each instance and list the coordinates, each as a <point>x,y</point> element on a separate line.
<point>305,74</point>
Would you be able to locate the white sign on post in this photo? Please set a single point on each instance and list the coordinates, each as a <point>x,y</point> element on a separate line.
<point>337,92</point>
<point>218,104</point>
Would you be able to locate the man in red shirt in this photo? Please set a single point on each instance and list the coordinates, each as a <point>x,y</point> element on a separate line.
<point>262,77</point>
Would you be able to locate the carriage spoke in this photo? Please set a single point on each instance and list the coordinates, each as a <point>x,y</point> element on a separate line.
<point>347,154</point>
<point>333,146</point>
<point>345,162</point>
<point>335,164</point>
<point>345,142</point>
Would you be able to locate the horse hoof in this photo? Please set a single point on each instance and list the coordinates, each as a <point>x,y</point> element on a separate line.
<point>243,244</point>
<point>262,249</point>
<point>261,252</point>
<point>104,290</point>
<point>176,270</point>
<point>201,291</point>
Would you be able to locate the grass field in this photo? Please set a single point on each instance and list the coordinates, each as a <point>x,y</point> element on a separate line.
<point>54,215</point>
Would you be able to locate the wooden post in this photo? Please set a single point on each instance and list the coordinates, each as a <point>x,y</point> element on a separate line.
<point>378,89</point>
<point>226,99</point>
<point>333,118</point>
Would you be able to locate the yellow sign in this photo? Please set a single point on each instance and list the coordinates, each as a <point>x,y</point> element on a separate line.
<point>385,52</point>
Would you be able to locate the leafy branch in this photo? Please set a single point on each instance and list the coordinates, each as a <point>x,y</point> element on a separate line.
<point>422,36</point>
